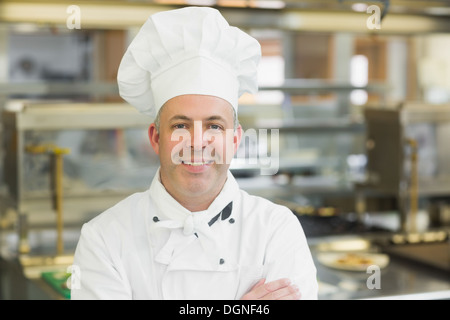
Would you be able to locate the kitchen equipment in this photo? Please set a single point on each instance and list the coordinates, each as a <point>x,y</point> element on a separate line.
<point>57,154</point>
<point>407,154</point>
<point>110,158</point>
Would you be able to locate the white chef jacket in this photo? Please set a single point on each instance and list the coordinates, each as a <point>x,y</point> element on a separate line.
<point>148,246</point>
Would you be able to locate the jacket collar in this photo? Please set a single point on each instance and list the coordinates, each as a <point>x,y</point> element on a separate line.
<point>171,209</point>
<point>174,216</point>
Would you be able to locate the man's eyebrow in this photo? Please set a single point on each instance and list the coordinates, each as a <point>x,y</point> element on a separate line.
<point>180,117</point>
<point>215,117</point>
<point>183,117</point>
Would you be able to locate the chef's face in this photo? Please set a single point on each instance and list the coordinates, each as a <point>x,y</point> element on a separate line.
<point>195,143</point>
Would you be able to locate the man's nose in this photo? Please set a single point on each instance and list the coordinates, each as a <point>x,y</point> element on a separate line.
<point>198,143</point>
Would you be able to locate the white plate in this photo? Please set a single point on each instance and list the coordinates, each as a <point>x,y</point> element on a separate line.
<point>353,261</point>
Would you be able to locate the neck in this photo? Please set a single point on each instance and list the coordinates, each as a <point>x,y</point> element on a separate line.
<point>193,201</point>
<point>195,204</point>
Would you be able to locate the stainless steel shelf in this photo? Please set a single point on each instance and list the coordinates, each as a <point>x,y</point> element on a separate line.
<point>68,88</point>
<point>312,125</point>
<point>297,86</point>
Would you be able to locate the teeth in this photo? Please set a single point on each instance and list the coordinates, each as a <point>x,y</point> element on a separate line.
<point>195,163</point>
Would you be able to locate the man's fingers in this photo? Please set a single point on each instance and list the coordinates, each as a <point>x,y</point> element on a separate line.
<point>272,290</point>
<point>290,292</point>
<point>264,291</point>
<point>252,294</point>
<point>281,289</point>
<point>277,284</point>
<point>259,283</point>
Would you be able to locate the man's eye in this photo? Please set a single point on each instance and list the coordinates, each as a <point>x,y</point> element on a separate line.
<point>179,126</point>
<point>215,127</point>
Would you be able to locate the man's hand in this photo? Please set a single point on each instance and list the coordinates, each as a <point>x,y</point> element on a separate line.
<point>281,289</point>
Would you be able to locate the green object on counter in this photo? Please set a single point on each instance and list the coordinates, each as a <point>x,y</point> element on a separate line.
<point>58,281</point>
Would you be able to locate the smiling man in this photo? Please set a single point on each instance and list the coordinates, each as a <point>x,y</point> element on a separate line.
<point>196,177</point>
<point>194,234</point>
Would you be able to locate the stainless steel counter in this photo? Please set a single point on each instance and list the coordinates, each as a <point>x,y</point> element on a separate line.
<point>401,279</point>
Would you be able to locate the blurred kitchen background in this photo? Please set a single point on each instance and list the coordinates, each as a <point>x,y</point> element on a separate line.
<point>361,103</point>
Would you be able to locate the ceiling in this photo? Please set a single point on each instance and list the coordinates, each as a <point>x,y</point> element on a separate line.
<point>401,16</point>
<point>432,7</point>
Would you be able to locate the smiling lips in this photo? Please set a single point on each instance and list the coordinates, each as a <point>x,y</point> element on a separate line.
<point>196,164</point>
<point>196,167</point>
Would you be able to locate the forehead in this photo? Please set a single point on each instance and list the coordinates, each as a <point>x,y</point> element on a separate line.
<point>197,107</point>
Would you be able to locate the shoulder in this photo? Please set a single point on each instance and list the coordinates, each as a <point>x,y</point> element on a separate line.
<point>264,210</point>
<point>122,213</point>
<point>269,222</point>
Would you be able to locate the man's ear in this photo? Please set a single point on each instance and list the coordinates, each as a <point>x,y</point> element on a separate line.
<point>237,138</point>
<point>153,136</point>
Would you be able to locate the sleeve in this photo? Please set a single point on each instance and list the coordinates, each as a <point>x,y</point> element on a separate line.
<point>98,276</point>
<point>288,255</point>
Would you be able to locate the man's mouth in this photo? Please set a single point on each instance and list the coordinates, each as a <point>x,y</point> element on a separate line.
<point>197,164</point>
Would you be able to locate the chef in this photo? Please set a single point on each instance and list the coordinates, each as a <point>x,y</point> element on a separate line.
<point>193,234</point>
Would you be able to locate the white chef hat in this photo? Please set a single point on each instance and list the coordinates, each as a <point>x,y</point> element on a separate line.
<point>192,50</point>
